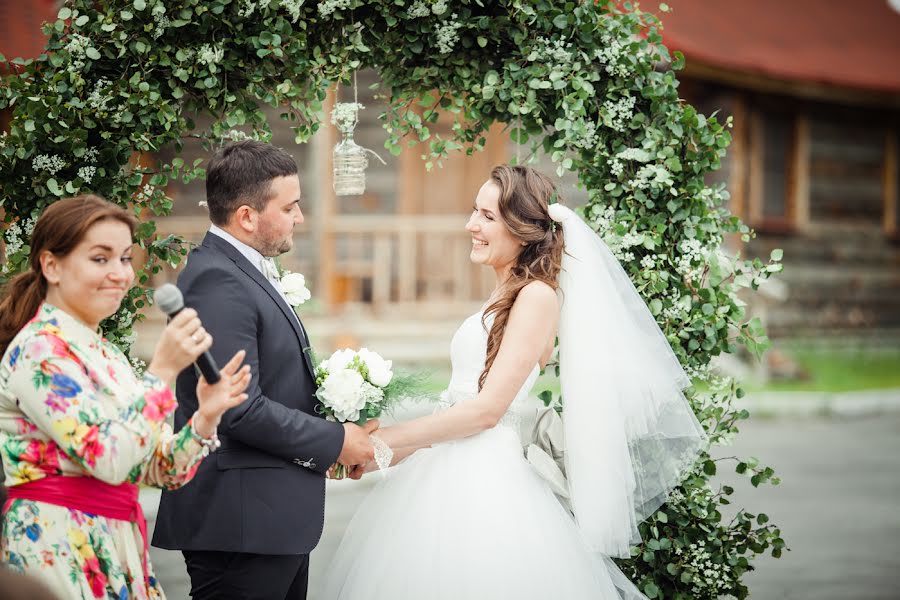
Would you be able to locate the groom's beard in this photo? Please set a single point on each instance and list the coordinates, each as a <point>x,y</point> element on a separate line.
<point>275,248</point>
<point>268,246</point>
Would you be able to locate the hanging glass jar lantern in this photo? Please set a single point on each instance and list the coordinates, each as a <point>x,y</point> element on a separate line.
<point>350,164</point>
<point>348,158</point>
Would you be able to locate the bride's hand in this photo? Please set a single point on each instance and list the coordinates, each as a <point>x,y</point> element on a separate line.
<point>214,400</point>
<point>358,471</point>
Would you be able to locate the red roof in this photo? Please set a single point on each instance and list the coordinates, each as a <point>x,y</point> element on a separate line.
<point>845,43</point>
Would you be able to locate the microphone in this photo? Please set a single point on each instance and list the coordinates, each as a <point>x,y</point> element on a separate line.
<point>171,301</point>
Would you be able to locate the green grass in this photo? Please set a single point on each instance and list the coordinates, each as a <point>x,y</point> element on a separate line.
<point>829,370</point>
<point>840,371</point>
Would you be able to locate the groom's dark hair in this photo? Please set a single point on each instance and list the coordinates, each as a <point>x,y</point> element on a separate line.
<point>242,173</point>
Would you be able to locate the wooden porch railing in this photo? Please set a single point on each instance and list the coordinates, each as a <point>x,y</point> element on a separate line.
<point>385,263</point>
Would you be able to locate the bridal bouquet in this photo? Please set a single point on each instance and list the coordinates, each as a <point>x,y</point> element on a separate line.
<point>358,385</point>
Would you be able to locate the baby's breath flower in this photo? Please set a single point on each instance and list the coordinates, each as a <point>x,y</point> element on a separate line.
<point>17,235</point>
<point>345,115</point>
<point>146,193</point>
<point>636,154</point>
<point>138,365</point>
<point>603,218</point>
<point>77,45</point>
<point>210,55</point>
<point>651,176</point>
<point>555,54</point>
<point>87,173</point>
<point>50,163</point>
<point>587,134</point>
<point>99,97</point>
<point>611,55</point>
<point>328,7</point>
<point>620,112</point>
<point>236,135</point>
<point>162,23</point>
<point>447,35</point>
<point>418,9</point>
<point>615,167</point>
<point>293,7</point>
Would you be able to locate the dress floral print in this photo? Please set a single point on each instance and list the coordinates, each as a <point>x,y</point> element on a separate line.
<point>71,405</point>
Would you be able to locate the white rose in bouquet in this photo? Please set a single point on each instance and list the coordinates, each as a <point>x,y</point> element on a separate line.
<point>343,392</point>
<point>294,287</point>
<point>380,373</point>
<point>339,360</point>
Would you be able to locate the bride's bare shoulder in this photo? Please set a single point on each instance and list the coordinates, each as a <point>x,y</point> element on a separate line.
<point>537,296</point>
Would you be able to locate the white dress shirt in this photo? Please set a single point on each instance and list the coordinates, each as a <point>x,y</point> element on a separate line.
<point>265,265</point>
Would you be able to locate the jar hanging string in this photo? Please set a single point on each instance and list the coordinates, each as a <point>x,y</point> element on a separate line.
<point>518,140</point>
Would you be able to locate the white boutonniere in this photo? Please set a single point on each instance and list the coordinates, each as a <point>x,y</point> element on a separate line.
<point>293,285</point>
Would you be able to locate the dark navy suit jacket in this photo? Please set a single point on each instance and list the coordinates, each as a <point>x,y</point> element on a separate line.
<point>263,491</point>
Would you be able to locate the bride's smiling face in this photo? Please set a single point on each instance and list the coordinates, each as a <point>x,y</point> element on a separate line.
<point>493,244</point>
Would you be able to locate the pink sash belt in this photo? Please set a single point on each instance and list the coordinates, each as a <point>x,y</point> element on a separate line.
<point>88,495</point>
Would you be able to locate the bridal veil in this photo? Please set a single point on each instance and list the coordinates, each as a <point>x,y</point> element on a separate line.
<point>630,434</point>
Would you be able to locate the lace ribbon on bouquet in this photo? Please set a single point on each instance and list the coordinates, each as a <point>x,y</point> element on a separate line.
<point>630,434</point>
<point>383,453</point>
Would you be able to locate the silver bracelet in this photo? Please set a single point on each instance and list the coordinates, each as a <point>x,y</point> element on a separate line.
<point>210,444</point>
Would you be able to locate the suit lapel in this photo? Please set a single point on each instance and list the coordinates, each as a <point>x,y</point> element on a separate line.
<point>215,242</point>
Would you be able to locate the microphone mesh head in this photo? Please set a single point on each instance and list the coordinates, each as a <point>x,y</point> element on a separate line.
<point>168,298</point>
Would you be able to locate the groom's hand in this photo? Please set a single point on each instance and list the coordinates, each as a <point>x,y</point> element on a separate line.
<point>357,449</point>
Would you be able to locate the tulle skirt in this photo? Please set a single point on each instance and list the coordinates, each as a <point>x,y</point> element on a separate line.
<point>468,520</point>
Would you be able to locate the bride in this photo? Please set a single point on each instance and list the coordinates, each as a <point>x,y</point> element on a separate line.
<point>464,515</point>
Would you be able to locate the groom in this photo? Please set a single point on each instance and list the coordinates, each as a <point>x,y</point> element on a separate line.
<point>255,509</point>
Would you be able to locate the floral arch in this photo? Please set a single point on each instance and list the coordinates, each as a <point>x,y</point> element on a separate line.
<point>588,83</point>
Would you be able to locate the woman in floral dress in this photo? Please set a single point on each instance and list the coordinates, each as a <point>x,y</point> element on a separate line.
<point>79,429</point>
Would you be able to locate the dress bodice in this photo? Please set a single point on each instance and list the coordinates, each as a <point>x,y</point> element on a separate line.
<point>468,351</point>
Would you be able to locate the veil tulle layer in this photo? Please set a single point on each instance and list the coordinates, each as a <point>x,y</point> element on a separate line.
<point>630,434</point>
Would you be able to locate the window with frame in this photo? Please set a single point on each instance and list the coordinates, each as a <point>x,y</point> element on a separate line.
<point>771,189</point>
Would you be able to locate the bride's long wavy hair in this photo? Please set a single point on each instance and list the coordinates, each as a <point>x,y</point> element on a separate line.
<point>525,195</point>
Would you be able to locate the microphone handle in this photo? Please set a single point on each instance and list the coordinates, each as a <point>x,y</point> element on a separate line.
<point>208,367</point>
<point>205,363</point>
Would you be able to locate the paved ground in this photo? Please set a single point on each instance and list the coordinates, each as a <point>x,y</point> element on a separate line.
<point>838,507</point>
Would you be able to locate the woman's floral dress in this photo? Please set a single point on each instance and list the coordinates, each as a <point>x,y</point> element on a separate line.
<point>71,404</point>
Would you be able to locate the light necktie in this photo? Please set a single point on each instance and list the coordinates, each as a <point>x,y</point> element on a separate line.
<point>270,272</point>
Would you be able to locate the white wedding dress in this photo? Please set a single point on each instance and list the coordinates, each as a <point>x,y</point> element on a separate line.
<point>469,519</point>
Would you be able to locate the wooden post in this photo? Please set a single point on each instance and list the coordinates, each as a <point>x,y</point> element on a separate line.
<point>738,157</point>
<point>889,178</point>
<point>382,270</point>
<point>798,196</point>
<point>409,202</point>
<point>323,231</point>
<point>755,164</point>
<point>406,265</point>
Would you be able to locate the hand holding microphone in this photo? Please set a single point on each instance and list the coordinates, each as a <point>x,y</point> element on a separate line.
<point>185,341</point>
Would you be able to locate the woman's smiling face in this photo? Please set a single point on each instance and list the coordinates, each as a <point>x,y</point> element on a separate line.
<point>493,244</point>
<point>90,282</point>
